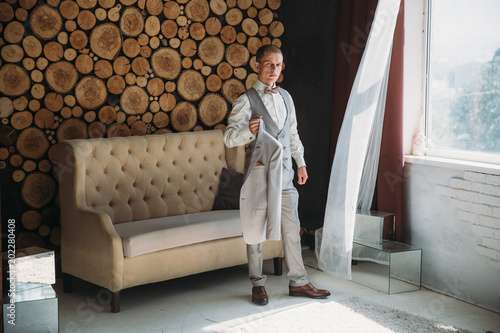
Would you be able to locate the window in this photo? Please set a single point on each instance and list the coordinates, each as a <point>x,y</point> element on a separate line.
<point>463,79</point>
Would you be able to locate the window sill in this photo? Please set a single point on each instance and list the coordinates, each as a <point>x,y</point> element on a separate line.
<point>440,162</point>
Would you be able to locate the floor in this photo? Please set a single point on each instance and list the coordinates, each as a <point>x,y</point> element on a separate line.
<point>220,299</point>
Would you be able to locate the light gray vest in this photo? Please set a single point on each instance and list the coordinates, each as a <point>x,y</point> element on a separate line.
<point>283,135</point>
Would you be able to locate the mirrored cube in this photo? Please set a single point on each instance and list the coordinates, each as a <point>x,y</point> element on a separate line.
<point>33,265</point>
<point>35,309</point>
<point>391,267</point>
<point>30,303</point>
<point>373,226</point>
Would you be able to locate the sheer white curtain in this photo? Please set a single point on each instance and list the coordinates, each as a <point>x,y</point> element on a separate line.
<point>354,169</point>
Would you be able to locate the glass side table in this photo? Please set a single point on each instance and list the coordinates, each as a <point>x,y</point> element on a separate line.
<point>374,227</point>
<point>30,301</point>
<point>390,267</point>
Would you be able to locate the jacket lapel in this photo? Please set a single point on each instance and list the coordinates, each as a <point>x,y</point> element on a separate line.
<point>257,149</point>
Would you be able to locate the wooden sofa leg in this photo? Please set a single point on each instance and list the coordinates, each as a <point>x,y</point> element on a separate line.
<point>278,266</point>
<point>67,282</point>
<point>115,302</point>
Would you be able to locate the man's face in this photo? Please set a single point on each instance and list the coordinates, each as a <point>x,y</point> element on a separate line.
<point>269,68</point>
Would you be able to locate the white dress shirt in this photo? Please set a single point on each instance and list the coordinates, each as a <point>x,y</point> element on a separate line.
<point>238,131</point>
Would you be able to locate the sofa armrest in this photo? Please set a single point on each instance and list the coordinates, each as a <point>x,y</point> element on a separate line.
<point>90,248</point>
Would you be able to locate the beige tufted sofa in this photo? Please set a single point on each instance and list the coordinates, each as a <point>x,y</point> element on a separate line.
<point>137,210</point>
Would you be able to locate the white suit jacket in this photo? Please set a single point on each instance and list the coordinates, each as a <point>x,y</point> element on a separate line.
<point>260,196</point>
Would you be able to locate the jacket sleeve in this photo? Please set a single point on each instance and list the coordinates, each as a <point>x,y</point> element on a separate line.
<point>238,132</point>
<point>296,146</point>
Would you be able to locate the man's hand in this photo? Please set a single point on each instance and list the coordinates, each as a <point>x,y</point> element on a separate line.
<point>254,125</point>
<point>302,175</point>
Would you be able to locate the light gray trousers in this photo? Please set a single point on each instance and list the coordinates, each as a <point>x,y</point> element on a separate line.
<point>290,234</point>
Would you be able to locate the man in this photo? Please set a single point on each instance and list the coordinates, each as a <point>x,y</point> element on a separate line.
<point>276,112</point>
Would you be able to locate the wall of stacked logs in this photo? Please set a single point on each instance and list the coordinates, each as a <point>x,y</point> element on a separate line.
<point>77,69</point>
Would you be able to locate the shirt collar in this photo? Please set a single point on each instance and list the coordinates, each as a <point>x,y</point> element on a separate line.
<point>260,87</point>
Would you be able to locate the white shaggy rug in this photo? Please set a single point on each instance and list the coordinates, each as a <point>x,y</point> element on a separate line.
<point>349,315</point>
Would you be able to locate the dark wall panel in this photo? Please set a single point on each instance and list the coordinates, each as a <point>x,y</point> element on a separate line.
<point>308,48</point>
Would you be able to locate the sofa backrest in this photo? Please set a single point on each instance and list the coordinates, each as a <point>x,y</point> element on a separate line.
<point>141,177</point>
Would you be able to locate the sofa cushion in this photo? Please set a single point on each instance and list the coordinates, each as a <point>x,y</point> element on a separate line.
<point>141,237</point>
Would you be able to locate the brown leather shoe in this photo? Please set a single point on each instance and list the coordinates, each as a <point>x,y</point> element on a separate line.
<point>308,290</point>
<point>259,296</point>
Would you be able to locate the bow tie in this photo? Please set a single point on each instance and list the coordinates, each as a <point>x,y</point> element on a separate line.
<point>272,90</point>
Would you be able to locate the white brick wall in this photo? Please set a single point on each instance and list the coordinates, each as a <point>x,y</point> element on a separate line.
<point>476,196</point>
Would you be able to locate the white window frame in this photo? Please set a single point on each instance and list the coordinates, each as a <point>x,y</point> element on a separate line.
<point>463,155</point>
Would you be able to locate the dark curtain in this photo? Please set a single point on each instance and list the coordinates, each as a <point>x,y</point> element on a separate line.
<point>354,18</point>
<point>390,181</point>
